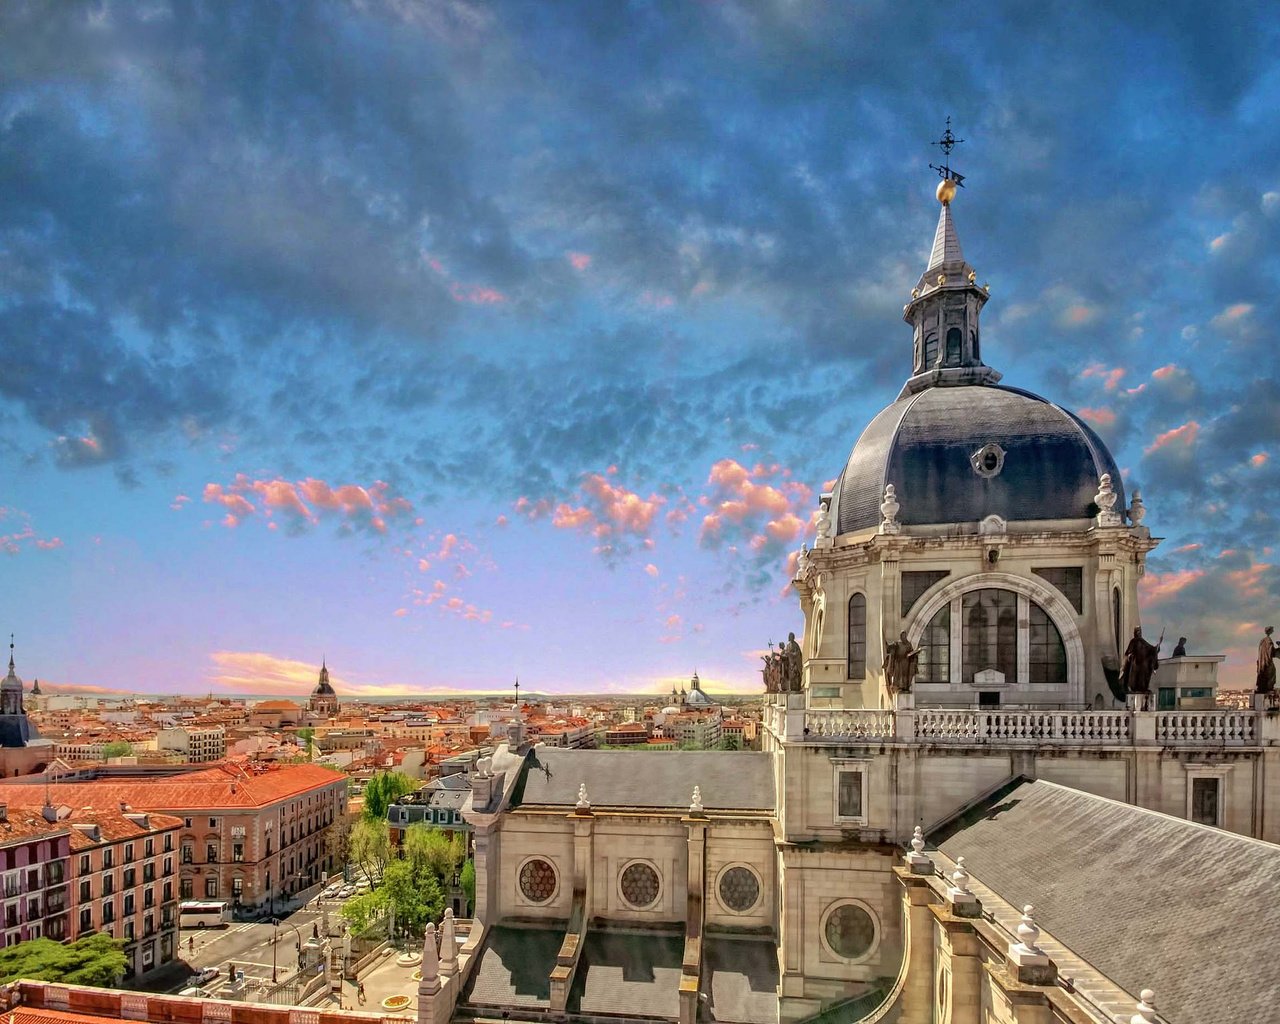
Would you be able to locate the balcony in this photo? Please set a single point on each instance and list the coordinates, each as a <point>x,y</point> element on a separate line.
<point>12,889</point>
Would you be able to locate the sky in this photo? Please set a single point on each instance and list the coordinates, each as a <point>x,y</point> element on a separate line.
<point>457,341</point>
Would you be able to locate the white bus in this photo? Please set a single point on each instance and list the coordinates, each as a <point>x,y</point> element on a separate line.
<point>202,914</point>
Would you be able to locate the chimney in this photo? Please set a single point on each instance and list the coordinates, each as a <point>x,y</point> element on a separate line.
<point>4,812</point>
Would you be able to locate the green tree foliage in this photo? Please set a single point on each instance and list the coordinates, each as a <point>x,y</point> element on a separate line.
<point>118,748</point>
<point>468,881</point>
<point>382,791</point>
<point>414,894</point>
<point>730,743</point>
<point>429,849</point>
<point>95,960</point>
<point>370,848</point>
<point>306,736</point>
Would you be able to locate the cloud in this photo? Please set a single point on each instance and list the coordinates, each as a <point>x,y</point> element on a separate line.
<point>18,533</point>
<point>652,570</point>
<point>261,673</point>
<point>305,503</point>
<point>1100,417</point>
<point>578,260</point>
<point>1110,377</point>
<point>1181,437</point>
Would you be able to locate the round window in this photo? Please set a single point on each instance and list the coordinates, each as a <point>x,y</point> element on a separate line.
<point>739,889</point>
<point>850,931</point>
<point>537,881</point>
<point>640,885</point>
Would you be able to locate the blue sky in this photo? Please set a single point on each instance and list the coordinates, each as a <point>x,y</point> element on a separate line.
<point>427,336</point>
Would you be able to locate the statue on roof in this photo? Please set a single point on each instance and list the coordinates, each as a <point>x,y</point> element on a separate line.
<point>1268,651</point>
<point>1141,659</point>
<point>792,658</point>
<point>901,662</point>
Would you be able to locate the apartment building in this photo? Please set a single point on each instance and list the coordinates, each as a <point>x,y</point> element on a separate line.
<point>197,743</point>
<point>34,852</point>
<point>251,833</point>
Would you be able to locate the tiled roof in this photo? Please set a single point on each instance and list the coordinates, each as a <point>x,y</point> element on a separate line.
<point>224,787</point>
<point>113,826</point>
<point>1149,900</point>
<point>22,824</point>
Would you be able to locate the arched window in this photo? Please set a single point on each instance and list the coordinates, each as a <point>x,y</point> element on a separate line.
<point>857,637</point>
<point>935,648</point>
<point>930,351</point>
<point>973,345</point>
<point>990,632</point>
<point>1048,657</point>
<point>953,346</point>
<point>1115,616</point>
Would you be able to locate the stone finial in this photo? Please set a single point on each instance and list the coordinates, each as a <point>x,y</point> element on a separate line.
<point>1146,1008</point>
<point>960,878</point>
<point>823,526</point>
<point>963,902</point>
<point>430,959</point>
<point>889,511</point>
<point>1137,510</point>
<point>802,560</point>
<point>1028,932</point>
<point>448,944</point>
<point>917,860</point>
<point>583,806</point>
<point>484,767</point>
<point>695,805</point>
<point>1106,499</point>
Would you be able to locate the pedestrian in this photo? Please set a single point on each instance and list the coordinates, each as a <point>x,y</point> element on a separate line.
<point>191,944</point>
<point>360,992</point>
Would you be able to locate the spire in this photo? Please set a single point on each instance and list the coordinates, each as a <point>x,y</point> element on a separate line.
<point>10,654</point>
<point>946,302</point>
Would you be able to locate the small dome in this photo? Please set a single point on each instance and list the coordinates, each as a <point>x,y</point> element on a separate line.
<point>671,709</point>
<point>961,453</point>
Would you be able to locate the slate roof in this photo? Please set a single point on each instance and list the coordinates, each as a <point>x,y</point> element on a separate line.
<point>629,974</point>
<point>922,444</point>
<point>1150,900</point>
<point>514,967</point>
<point>730,780</point>
<point>741,977</point>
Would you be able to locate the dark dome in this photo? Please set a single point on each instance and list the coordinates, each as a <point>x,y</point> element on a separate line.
<point>923,444</point>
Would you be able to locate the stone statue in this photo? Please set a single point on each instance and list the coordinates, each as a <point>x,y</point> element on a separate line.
<point>825,538</point>
<point>1180,649</point>
<point>802,561</point>
<point>901,661</point>
<point>1140,661</point>
<point>1106,499</point>
<point>766,672</point>
<point>1268,651</point>
<point>791,664</point>
<point>889,509</point>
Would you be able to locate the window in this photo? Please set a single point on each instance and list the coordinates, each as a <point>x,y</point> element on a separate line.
<point>128,852</point>
<point>150,848</point>
<point>213,822</point>
<point>168,892</point>
<point>930,351</point>
<point>108,885</point>
<point>211,887</point>
<point>130,878</point>
<point>237,852</point>
<point>537,880</point>
<point>107,859</point>
<point>185,888</point>
<point>850,795</point>
<point>935,649</point>
<point>954,338</point>
<point>86,920</point>
<point>1115,618</point>
<point>187,822</point>
<point>211,853</point>
<point>1048,658</point>
<point>1069,580</point>
<point>849,931</point>
<point>990,633</point>
<point>86,891</point>
<point>857,637</point>
<point>1205,805</point>
<point>914,584</point>
<point>128,904</point>
<point>639,885</point>
<point>188,854</point>
<point>739,889</point>
<point>237,887</point>
<point>84,864</point>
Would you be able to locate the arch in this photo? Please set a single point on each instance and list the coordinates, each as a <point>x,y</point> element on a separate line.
<point>1055,605</point>
<point>930,351</point>
<point>856,652</point>
<point>955,341</point>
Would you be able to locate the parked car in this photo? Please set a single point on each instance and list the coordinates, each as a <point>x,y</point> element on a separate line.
<point>205,975</point>
<point>198,993</point>
<point>346,892</point>
<point>331,892</point>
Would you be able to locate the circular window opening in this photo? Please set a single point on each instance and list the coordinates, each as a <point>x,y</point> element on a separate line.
<point>988,460</point>
<point>850,931</point>
<point>739,889</point>
<point>640,885</point>
<point>537,881</point>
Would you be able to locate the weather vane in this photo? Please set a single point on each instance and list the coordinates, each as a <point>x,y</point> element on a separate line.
<point>947,143</point>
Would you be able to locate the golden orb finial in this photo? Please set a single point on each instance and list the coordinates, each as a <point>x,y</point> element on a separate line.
<point>946,191</point>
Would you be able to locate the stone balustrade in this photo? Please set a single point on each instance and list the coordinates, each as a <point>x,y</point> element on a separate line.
<point>1016,727</point>
<point>855,725</point>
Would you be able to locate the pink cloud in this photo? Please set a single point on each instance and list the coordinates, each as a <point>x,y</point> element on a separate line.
<point>500,521</point>
<point>1079,315</point>
<point>651,569</point>
<point>351,504</point>
<point>578,260</point>
<point>1165,372</point>
<point>568,518</point>
<point>1110,377</point>
<point>1237,311</point>
<point>656,300</point>
<point>24,535</point>
<point>179,502</point>
<point>1157,587</point>
<point>1100,417</point>
<point>400,613</point>
<point>1183,436</point>
<point>1186,548</point>
<point>476,295</point>
<point>1260,459</point>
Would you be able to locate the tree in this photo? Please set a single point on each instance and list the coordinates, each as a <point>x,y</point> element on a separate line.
<point>118,748</point>
<point>382,791</point>
<point>307,735</point>
<point>730,743</point>
<point>468,881</point>
<point>96,960</point>
<point>370,849</point>
<point>429,849</point>
<point>413,895</point>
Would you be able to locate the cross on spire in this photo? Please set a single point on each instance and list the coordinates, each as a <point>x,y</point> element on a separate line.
<point>947,143</point>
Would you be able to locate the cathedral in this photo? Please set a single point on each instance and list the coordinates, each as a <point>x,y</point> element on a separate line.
<point>323,702</point>
<point>970,807</point>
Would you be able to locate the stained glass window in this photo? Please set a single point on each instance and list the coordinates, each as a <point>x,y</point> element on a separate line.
<point>640,885</point>
<point>537,881</point>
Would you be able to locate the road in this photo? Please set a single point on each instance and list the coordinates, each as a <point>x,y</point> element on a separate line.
<point>248,945</point>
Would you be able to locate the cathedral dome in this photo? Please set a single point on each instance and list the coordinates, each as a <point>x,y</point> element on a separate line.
<point>964,452</point>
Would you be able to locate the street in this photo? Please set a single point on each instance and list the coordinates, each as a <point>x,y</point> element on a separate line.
<point>248,946</point>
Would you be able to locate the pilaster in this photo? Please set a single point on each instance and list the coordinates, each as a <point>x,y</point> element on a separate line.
<point>916,1002</point>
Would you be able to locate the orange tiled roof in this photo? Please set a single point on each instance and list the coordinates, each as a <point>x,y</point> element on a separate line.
<point>242,785</point>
